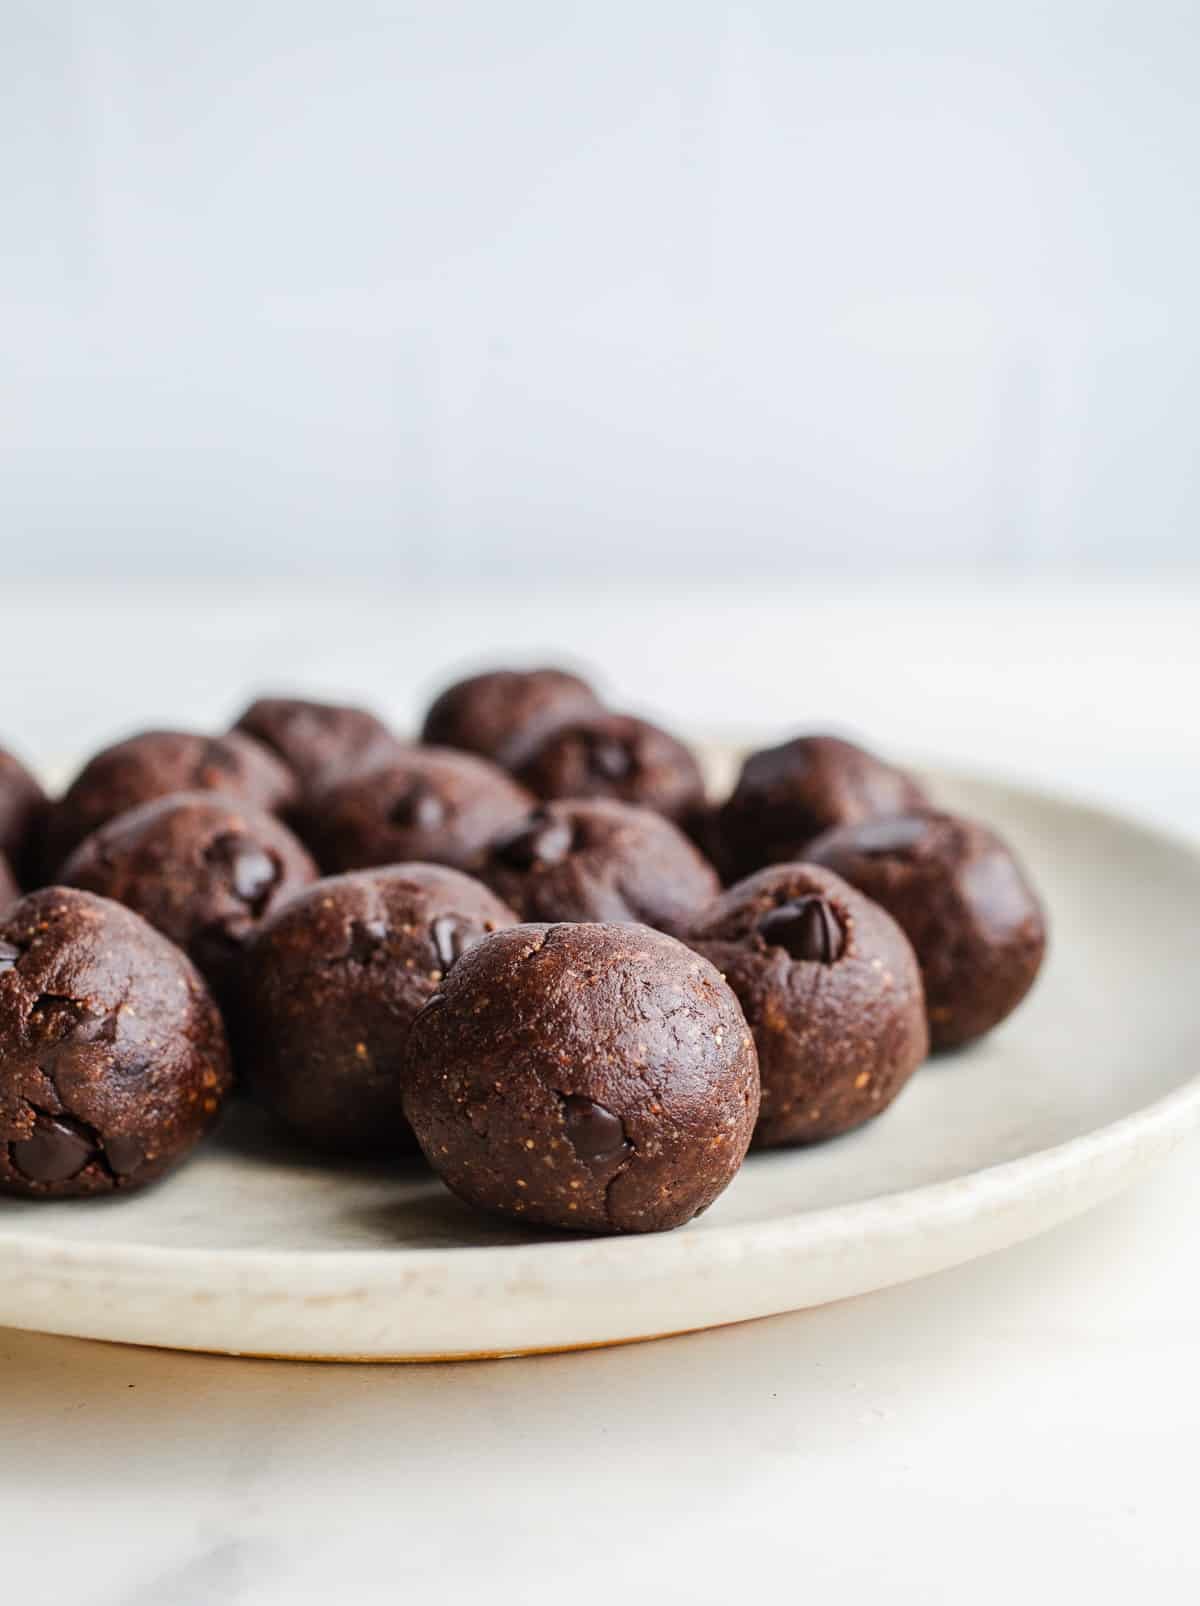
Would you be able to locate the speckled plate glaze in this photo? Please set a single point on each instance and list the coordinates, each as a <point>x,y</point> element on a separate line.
<point>256,1249</point>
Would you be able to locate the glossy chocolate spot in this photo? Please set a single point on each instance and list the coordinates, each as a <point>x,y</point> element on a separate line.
<point>897,834</point>
<point>806,929</point>
<point>597,1135</point>
<point>420,809</point>
<point>54,1152</point>
<point>609,759</point>
<point>366,939</point>
<point>9,957</point>
<point>251,869</point>
<point>125,1155</point>
<point>450,941</point>
<point>540,840</point>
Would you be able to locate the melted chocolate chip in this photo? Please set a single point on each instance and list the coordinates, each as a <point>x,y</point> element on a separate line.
<point>806,928</point>
<point>897,834</point>
<point>54,1152</point>
<point>8,957</point>
<point>419,809</point>
<point>366,939</point>
<point>596,1134</point>
<point>609,759</point>
<point>449,941</point>
<point>125,1155</point>
<point>252,870</point>
<point>539,841</point>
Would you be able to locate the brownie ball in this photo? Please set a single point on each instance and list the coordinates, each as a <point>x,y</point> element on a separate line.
<point>9,891</point>
<point>157,762</point>
<point>22,818</point>
<point>831,989</point>
<point>965,904</point>
<point>580,859</point>
<point>786,796</point>
<point>595,1077</point>
<point>333,984</point>
<point>504,714</point>
<point>424,804</point>
<point>203,869</point>
<point>319,742</point>
<point>113,1059</point>
<point>615,755</point>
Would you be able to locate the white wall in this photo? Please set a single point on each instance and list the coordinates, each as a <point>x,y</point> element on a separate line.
<point>467,285</point>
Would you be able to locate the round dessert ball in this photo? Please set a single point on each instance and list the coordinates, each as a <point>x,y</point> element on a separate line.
<point>22,817</point>
<point>333,984</point>
<point>965,904</point>
<point>596,1077</point>
<point>786,796</point>
<point>9,891</point>
<point>317,741</point>
<point>157,762</point>
<point>615,755</point>
<point>505,713</point>
<point>203,869</point>
<point>424,804</point>
<point>580,859</point>
<point>831,989</point>
<point>113,1059</point>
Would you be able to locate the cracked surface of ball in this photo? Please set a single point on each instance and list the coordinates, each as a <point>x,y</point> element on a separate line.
<point>113,1056</point>
<point>830,986</point>
<point>318,741</point>
<point>965,903</point>
<point>423,805</point>
<point>504,714</point>
<point>617,756</point>
<point>157,762</point>
<point>203,869</point>
<point>599,860</point>
<point>600,1078</point>
<point>787,795</point>
<point>333,984</point>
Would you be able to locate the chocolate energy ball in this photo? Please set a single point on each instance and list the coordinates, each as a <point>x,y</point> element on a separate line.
<point>9,891</point>
<point>113,1059</point>
<point>504,714</point>
<point>580,859</point>
<point>786,796</point>
<point>615,755</point>
<point>424,804</point>
<point>203,869</point>
<point>831,989</point>
<point>22,817</point>
<point>333,984</point>
<point>595,1077</point>
<point>157,762</point>
<point>965,905</point>
<point>319,742</point>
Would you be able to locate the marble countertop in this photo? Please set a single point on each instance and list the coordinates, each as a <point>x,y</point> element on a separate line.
<point>1025,1424</point>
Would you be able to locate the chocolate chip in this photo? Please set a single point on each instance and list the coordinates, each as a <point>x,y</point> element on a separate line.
<point>596,1134</point>
<point>539,841</point>
<point>124,1155</point>
<point>366,939</point>
<point>450,942</point>
<point>8,957</point>
<point>55,1152</point>
<point>897,834</point>
<point>609,759</point>
<point>252,871</point>
<point>807,929</point>
<point>418,809</point>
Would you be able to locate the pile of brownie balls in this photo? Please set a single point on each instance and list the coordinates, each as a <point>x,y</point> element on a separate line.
<point>507,943</point>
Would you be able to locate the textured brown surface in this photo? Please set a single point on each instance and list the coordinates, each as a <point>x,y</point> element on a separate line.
<point>113,1059</point>
<point>22,818</point>
<point>423,805</point>
<point>319,742</point>
<point>787,795</point>
<point>600,860</point>
<point>617,756</point>
<point>504,714</point>
<point>594,1077</point>
<point>830,986</point>
<point>333,984</point>
<point>203,869</point>
<point>154,763</point>
<point>966,905</point>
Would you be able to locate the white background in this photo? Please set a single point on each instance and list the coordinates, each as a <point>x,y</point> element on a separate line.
<point>461,289</point>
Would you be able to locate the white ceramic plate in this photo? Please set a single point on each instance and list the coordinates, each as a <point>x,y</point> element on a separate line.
<point>254,1248</point>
